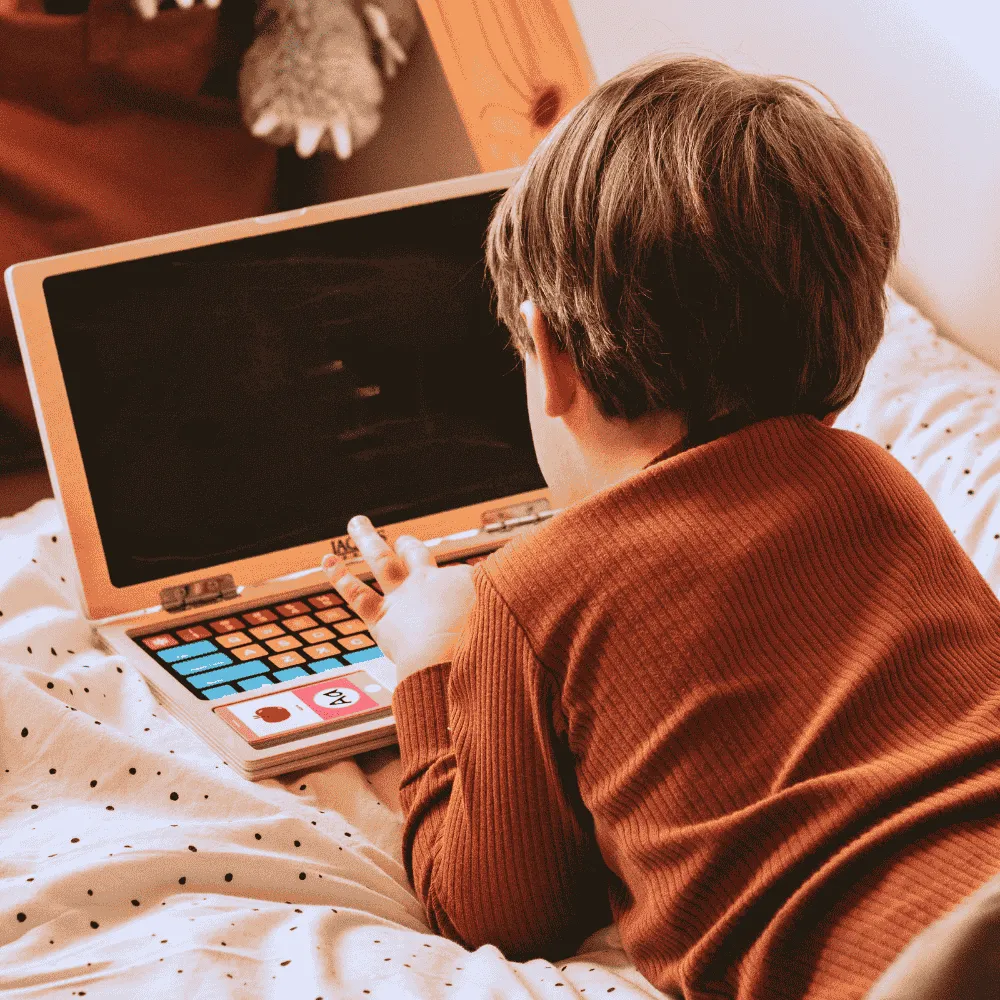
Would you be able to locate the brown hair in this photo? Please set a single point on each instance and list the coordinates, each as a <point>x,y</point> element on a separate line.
<point>701,239</point>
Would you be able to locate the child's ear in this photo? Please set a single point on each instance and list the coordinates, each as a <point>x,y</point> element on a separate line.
<point>559,377</point>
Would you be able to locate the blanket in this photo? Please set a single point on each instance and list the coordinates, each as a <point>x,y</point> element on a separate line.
<point>136,863</point>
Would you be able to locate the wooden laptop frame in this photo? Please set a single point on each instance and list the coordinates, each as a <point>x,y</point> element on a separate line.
<point>101,598</point>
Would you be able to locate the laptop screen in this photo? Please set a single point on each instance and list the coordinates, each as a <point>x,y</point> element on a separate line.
<point>250,396</point>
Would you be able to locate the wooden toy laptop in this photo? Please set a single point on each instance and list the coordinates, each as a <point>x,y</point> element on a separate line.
<point>216,404</point>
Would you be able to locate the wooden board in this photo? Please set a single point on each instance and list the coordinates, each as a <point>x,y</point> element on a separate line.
<point>514,67</point>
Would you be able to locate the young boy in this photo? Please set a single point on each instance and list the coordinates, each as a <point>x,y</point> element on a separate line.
<point>743,693</point>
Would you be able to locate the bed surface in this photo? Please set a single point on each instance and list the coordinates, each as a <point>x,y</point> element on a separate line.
<point>134,863</point>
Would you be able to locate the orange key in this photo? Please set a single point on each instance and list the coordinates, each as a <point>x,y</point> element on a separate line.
<point>267,631</point>
<point>292,608</point>
<point>348,628</point>
<point>233,639</point>
<point>358,641</point>
<point>298,624</point>
<point>284,642</point>
<point>316,635</point>
<point>249,652</point>
<point>287,659</point>
<point>226,625</point>
<point>321,652</point>
<point>333,615</point>
<point>325,600</point>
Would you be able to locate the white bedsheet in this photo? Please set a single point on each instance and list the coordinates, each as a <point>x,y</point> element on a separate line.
<point>134,864</point>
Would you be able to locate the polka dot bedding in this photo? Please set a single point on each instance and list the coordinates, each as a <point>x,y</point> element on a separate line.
<point>135,863</point>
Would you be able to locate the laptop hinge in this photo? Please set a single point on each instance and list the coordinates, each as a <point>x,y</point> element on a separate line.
<point>517,515</point>
<point>193,595</point>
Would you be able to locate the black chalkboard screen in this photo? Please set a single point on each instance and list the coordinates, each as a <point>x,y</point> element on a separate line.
<point>249,396</point>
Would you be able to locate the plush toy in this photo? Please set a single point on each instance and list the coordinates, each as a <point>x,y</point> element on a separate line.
<point>313,74</point>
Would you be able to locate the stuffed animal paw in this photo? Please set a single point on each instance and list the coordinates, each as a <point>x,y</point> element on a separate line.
<point>312,74</point>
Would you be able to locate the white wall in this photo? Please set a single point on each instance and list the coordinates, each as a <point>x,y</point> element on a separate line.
<point>922,77</point>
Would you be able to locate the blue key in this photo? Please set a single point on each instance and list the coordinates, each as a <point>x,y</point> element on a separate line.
<point>220,692</point>
<point>287,675</point>
<point>363,654</point>
<point>216,659</point>
<point>255,682</point>
<point>326,666</point>
<point>176,653</point>
<point>233,673</point>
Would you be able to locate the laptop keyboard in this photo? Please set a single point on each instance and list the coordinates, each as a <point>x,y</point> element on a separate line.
<point>261,646</point>
<point>257,647</point>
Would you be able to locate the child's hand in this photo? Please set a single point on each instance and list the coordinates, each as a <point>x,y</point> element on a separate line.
<point>418,621</point>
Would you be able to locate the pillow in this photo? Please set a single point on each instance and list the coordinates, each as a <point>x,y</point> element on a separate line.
<point>937,409</point>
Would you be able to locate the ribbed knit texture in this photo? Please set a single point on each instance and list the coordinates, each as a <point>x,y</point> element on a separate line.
<point>763,678</point>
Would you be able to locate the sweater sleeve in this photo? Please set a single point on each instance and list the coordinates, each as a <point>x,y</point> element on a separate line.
<point>498,845</point>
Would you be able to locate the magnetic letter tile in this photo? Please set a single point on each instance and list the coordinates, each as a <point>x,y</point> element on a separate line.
<point>333,615</point>
<point>326,600</point>
<point>292,608</point>
<point>298,624</point>
<point>194,633</point>
<point>226,625</point>
<point>267,631</point>
<point>261,617</point>
<point>159,641</point>
<point>233,639</point>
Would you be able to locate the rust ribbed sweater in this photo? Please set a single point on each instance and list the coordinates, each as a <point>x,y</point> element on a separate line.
<point>749,695</point>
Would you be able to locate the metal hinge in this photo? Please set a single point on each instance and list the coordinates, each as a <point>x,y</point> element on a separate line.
<point>192,595</point>
<point>516,515</point>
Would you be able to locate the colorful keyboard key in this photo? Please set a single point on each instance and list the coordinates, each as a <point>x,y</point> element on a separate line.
<point>233,639</point>
<point>316,635</point>
<point>217,659</point>
<point>186,652</point>
<point>350,627</point>
<point>267,631</point>
<point>261,617</point>
<point>333,615</point>
<point>226,625</point>
<point>283,642</point>
<point>194,633</point>
<point>299,623</point>
<point>287,659</point>
<point>292,608</point>
<point>234,673</point>
<point>325,600</point>
<point>250,652</point>
<point>220,692</point>
<point>357,641</point>
<point>159,641</point>
<point>290,674</point>
<point>320,652</point>
<point>363,654</point>
<point>254,682</point>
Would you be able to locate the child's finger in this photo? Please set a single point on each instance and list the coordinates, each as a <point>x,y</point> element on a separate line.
<point>361,599</point>
<point>389,569</point>
<point>413,552</point>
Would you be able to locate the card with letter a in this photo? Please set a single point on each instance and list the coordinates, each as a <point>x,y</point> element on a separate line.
<point>313,708</point>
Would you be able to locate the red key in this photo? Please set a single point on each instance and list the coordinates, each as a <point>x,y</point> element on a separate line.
<point>292,608</point>
<point>159,641</point>
<point>226,625</point>
<point>194,633</point>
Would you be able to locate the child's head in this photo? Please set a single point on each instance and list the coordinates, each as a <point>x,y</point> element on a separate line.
<point>701,240</point>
